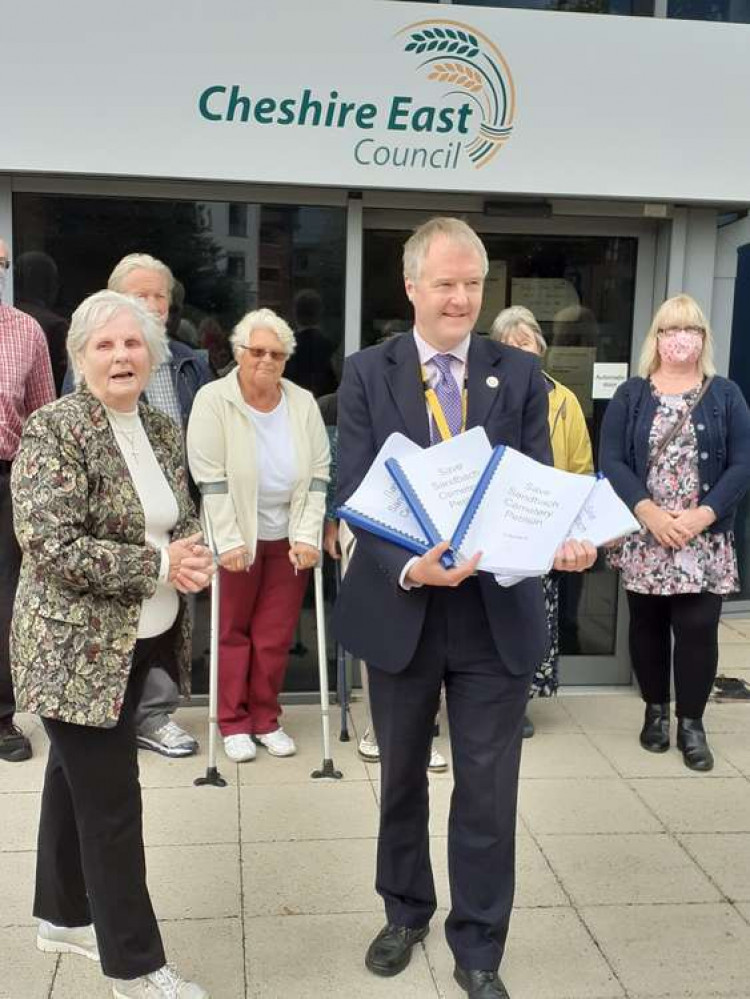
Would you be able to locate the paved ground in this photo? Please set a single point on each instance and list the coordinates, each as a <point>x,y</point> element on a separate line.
<point>633,873</point>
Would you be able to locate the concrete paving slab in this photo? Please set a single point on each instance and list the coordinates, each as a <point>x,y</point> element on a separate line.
<point>309,957</point>
<point>29,775</point>
<point>17,872</point>
<point>185,815</point>
<point>273,771</point>
<point>626,868</point>
<point>313,810</point>
<point>608,712</point>
<point>583,806</point>
<point>549,955</point>
<point>309,877</point>
<point>194,882</point>
<point>725,857</point>
<point>20,819</point>
<point>562,755</point>
<point>550,715</point>
<point>630,760</point>
<point>728,717</point>
<point>721,805</point>
<point>26,973</point>
<point>674,953</point>
<point>735,748</point>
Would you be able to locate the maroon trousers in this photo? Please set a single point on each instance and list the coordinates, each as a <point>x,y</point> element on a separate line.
<point>259,611</point>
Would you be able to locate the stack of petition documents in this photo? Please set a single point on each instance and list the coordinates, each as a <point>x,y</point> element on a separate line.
<point>497,501</point>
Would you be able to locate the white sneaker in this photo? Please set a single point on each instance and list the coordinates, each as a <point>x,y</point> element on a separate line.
<point>239,748</point>
<point>67,940</point>
<point>438,763</point>
<point>162,984</point>
<point>278,743</point>
<point>168,740</point>
<point>368,747</point>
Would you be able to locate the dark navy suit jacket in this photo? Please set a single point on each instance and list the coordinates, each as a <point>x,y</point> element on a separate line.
<point>381,392</point>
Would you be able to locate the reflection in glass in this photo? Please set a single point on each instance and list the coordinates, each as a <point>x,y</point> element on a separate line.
<point>635,8</point>
<point>736,11</point>
<point>581,290</point>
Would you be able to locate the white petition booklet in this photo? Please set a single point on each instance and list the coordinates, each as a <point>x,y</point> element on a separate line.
<point>379,499</point>
<point>603,517</point>
<point>524,516</point>
<point>444,476</point>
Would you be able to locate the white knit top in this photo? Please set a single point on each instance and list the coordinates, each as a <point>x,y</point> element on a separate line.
<point>160,510</point>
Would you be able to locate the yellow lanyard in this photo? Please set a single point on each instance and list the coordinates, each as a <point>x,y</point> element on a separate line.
<point>437,410</point>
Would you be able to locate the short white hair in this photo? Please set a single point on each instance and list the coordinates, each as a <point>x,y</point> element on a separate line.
<point>139,262</point>
<point>456,230</point>
<point>262,319</point>
<point>507,321</point>
<point>101,308</point>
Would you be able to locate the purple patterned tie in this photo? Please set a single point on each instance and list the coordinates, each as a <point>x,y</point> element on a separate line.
<point>449,397</point>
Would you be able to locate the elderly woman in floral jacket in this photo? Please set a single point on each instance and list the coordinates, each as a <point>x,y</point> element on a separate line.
<point>110,543</point>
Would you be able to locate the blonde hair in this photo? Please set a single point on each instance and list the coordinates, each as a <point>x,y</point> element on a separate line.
<point>418,244</point>
<point>681,310</point>
<point>262,319</point>
<point>510,319</point>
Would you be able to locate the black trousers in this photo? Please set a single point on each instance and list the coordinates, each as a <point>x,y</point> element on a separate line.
<point>10,565</point>
<point>485,706</point>
<point>90,862</point>
<point>693,619</point>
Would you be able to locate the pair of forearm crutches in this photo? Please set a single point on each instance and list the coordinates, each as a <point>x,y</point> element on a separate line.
<point>212,775</point>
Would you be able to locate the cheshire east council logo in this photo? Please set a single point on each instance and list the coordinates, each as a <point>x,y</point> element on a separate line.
<point>470,65</point>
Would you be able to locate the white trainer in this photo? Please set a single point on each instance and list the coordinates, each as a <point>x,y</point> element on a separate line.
<point>438,763</point>
<point>67,940</point>
<point>278,743</point>
<point>162,984</point>
<point>239,748</point>
<point>368,747</point>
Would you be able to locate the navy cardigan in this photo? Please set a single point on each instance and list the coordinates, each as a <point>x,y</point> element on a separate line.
<point>722,429</point>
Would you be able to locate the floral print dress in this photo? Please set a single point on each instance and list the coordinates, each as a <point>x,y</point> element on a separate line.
<point>708,562</point>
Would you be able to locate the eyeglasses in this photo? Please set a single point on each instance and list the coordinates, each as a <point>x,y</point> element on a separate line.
<point>4,264</point>
<point>674,330</point>
<point>258,353</point>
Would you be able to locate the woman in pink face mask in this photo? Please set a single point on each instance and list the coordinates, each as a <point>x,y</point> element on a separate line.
<point>675,444</point>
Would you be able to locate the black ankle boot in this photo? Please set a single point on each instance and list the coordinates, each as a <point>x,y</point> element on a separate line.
<point>655,731</point>
<point>691,739</point>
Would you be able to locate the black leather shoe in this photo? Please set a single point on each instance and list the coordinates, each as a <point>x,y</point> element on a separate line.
<point>390,951</point>
<point>14,746</point>
<point>528,727</point>
<point>481,984</point>
<point>691,739</point>
<point>655,731</point>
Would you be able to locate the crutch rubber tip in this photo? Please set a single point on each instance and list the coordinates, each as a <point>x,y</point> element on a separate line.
<point>213,778</point>
<point>328,771</point>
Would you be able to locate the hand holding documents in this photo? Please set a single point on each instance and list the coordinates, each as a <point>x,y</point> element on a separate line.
<point>515,510</point>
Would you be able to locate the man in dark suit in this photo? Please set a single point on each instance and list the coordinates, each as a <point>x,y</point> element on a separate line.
<point>420,626</point>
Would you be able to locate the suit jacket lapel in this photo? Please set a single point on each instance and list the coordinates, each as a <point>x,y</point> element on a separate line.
<point>485,381</point>
<point>404,381</point>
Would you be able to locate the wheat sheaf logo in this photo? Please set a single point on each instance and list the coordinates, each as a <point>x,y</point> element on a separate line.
<point>471,65</point>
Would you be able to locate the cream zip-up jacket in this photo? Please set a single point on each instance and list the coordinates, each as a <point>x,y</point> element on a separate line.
<point>221,449</point>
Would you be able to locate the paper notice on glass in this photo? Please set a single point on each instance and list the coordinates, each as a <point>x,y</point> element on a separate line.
<point>608,376</point>
<point>603,517</point>
<point>523,515</point>
<point>441,479</point>
<point>378,505</point>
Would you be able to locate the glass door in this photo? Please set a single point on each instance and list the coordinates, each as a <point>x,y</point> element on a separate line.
<point>583,286</point>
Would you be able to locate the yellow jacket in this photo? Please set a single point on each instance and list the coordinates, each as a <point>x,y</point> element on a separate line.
<point>571,445</point>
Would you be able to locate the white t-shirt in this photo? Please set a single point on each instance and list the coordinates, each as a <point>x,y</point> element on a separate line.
<point>160,510</point>
<point>277,469</point>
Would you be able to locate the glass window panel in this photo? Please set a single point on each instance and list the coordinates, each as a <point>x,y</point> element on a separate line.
<point>635,8</point>
<point>581,289</point>
<point>230,257</point>
<point>736,11</point>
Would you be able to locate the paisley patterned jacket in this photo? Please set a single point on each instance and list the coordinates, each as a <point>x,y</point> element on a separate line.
<point>86,567</point>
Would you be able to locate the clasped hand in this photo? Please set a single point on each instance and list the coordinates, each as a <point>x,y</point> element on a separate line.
<point>673,529</point>
<point>572,556</point>
<point>191,564</point>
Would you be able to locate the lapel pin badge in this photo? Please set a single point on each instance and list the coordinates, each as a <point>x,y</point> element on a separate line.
<point>492,382</point>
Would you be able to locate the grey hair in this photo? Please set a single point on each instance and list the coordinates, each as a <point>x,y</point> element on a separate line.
<point>456,230</point>
<point>262,319</point>
<point>139,262</point>
<point>101,308</point>
<point>510,319</point>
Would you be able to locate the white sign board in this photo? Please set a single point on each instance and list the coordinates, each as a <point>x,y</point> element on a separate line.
<point>382,95</point>
<point>608,376</point>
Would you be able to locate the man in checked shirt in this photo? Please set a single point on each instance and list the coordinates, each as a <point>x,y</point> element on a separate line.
<point>26,383</point>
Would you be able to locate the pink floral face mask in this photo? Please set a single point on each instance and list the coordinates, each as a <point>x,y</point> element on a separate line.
<point>680,347</point>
